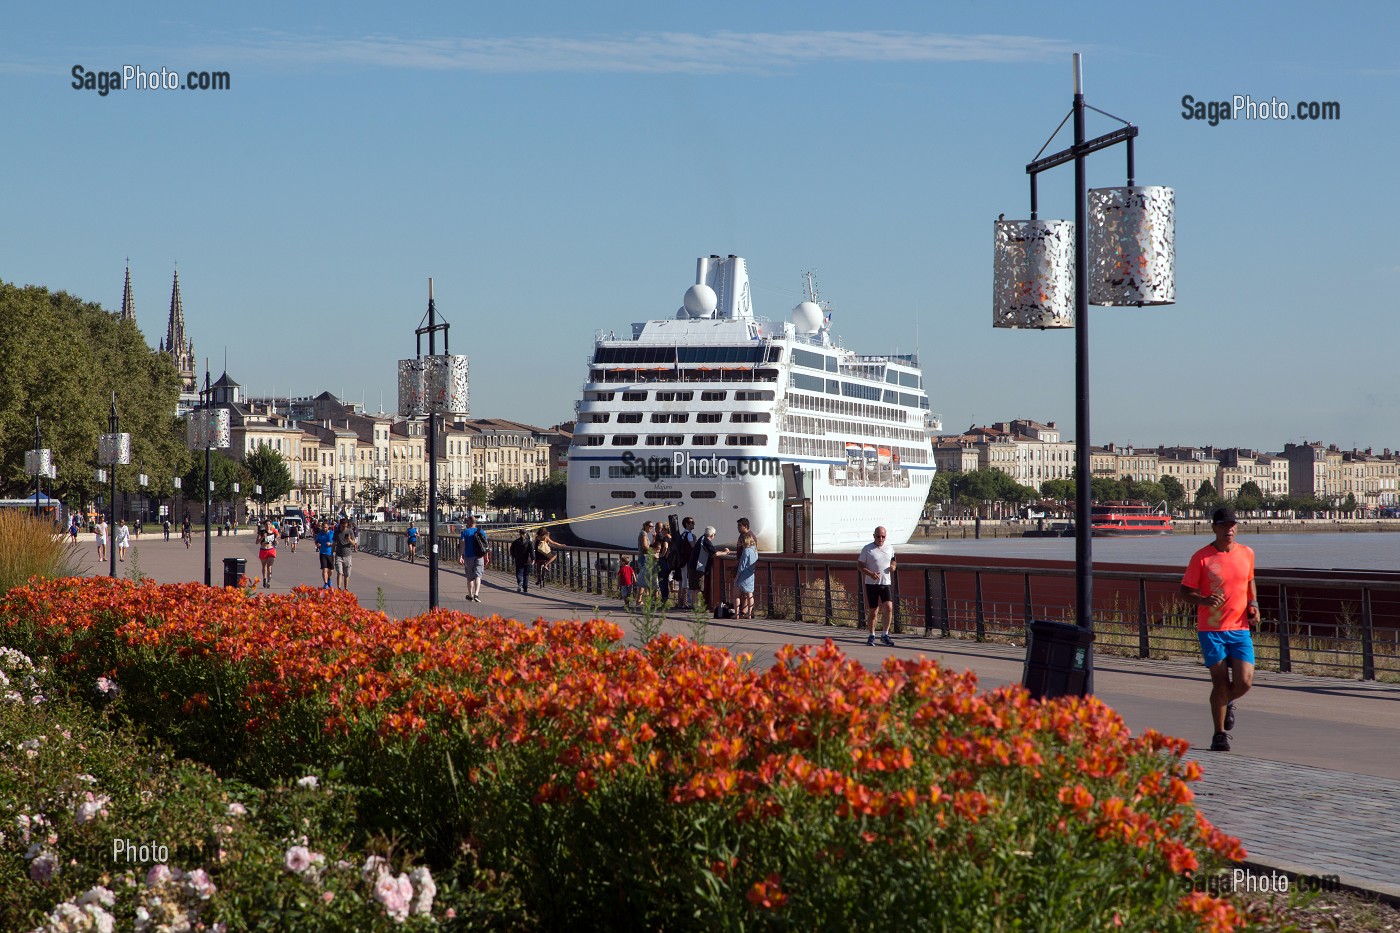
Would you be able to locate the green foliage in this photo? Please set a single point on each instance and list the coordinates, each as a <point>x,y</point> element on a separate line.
<point>1173,492</point>
<point>225,471</point>
<point>267,468</point>
<point>29,548</point>
<point>413,498</point>
<point>62,359</point>
<point>977,486</point>
<point>477,495</point>
<point>549,495</point>
<point>99,786</point>
<point>1206,495</point>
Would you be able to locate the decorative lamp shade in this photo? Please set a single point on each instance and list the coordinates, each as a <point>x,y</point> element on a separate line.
<point>114,449</point>
<point>1033,274</point>
<point>436,384</point>
<point>208,428</point>
<point>446,384</point>
<point>1132,246</point>
<point>410,387</point>
<point>38,461</point>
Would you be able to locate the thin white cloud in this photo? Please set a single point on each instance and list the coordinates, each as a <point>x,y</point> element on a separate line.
<point>657,53</point>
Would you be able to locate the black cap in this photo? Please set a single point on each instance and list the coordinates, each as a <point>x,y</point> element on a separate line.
<point>1223,516</point>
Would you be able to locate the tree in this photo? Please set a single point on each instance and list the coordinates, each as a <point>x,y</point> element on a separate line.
<point>1173,492</point>
<point>1205,495</point>
<point>505,496</point>
<point>1106,490</point>
<point>412,498</point>
<point>477,494</point>
<point>1349,503</point>
<point>268,470</point>
<point>225,471</point>
<point>550,495</point>
<point>62,358</point>
<point>1250,498</point>
<point>1061,490</point>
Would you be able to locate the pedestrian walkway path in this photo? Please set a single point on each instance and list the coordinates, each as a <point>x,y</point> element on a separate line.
<point>1311,787</point>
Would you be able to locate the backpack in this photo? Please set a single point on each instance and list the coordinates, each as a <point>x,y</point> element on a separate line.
<point>478,544</point>
<point>685,548</point>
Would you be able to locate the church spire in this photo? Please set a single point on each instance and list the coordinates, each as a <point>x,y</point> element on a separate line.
<point>178,345</point>
<point>128,312</point>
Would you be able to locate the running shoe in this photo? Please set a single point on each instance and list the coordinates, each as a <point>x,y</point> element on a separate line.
<point>886,640</point>
<point>870,642</point>
<point>1221,742</point>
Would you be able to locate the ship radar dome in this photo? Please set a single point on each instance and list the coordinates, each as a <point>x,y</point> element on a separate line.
<point>700,301</point>
<point>807,317</point>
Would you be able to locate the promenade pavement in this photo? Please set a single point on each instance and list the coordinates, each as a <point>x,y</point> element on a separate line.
<point>1312,786</point>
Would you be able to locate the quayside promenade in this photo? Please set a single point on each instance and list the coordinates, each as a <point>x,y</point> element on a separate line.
<point>1310,788</point>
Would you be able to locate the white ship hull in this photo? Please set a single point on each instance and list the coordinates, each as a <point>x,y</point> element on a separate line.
<point>718,415</point>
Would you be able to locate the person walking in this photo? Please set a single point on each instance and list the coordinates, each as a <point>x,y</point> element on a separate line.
<point>876,564</point>
<point>522,555</point>
<point>123,540</point>
<point>626,580</point>
<point>73,530</point>
<point>476,555</point>
<point>100,530</point>
<point>1219,582</point>
<point>746,572</point>
<point>325,552</point>
<point>546,553</point>
<point>293,533</point>
<point>165,527</point>
<point>345,545</point>
<point>267,551</point>
<point>411,537</point>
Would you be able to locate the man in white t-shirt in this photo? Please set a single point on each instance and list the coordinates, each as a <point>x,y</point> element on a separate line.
<point>876,562</point>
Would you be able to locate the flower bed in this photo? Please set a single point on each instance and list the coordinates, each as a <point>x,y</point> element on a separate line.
<point>665,786</point>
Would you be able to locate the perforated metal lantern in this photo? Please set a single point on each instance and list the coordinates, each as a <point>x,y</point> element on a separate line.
<point>411,387</point>
<point>1132,246</point>
<point>208,428</point>
<point>1033,274</point>
<point>445,381</point>
<point>114,449</point>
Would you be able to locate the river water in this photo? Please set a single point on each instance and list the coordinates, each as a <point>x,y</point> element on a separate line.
<point>1350,551</point>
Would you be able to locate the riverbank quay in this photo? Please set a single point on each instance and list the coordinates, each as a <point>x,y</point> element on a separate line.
<point>971,529</point>
<point>1309,787</point>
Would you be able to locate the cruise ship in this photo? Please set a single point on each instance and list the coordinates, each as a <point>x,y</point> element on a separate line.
<point>717,414</point>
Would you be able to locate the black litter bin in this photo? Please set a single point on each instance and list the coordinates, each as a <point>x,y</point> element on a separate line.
<point>234,569</point>
<point>609,563</point>
<point>1059,660</point>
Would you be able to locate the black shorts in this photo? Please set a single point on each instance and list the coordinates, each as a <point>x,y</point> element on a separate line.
<point>327,562</point>
<point>876,594</point>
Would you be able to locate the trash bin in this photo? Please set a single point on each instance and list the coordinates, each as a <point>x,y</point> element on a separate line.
<point>1059,660</point>
<point>234,569</point>
<point>609,563</point>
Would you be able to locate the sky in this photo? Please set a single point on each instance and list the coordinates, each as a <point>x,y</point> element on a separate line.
<point>556,168</point>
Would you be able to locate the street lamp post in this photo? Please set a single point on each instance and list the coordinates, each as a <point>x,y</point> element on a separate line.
<point>113,449</point>
<point>38,461</point>
<point>207,427</point>
<point>1042,280</point>
<point>433,385</point>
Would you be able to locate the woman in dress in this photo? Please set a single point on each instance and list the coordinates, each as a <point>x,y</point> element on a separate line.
<point>267,551</point>
<point>746,573</point>
<point>123,539</point>
<point>646,563</point>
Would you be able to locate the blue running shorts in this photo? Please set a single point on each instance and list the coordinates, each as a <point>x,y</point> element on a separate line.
<point>1235,644</point>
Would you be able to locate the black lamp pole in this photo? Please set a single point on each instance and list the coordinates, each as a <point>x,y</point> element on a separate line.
<point>431,330</point>
<point>113,427</point>
<point>37,465</point>
<point>205,398</point>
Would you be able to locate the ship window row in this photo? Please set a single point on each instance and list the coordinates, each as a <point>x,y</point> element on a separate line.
<point>849,409</point>
<point>674,374</point>
<point>901,398</point>
<point>822,447</point>
<point>673,440</point>
<point>664,494</point>
<point>855,390</point>
<point>653,355</point>
<point>595,417</point>
<point>804,424</point>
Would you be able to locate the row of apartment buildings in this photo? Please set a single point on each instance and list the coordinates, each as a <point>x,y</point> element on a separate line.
<point>1033,453</point>
<point>335,450</point>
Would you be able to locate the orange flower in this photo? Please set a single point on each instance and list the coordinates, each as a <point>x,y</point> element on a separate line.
<point>768,893</point>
